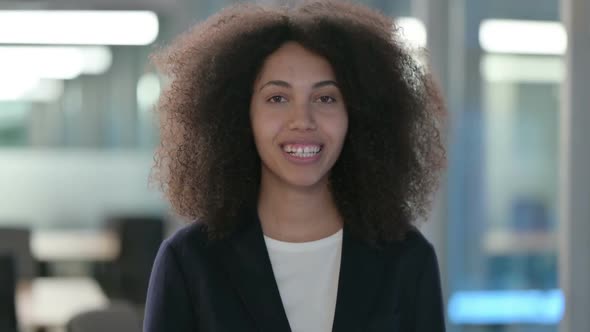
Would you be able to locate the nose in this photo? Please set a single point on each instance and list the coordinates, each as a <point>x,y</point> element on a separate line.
<point>302,118</point>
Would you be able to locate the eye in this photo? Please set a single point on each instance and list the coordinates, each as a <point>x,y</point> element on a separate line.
<point>326,99</point>
<point>276,99</point>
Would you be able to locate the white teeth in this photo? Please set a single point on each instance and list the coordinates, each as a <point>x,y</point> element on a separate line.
<point>302,152</point>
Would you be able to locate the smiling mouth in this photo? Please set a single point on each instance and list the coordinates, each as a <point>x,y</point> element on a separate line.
<point>302,150</point>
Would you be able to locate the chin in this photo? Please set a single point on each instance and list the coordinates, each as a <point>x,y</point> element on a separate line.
<point>306,182</point>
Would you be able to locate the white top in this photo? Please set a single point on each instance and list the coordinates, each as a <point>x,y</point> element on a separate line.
<point>307,276</point>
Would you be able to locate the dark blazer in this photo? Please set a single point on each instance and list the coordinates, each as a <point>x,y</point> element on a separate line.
<point>228,285</point>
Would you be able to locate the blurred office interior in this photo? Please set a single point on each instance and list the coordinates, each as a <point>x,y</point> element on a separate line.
<point>511,224</point>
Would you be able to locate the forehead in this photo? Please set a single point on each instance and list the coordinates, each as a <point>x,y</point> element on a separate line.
<point>293,62</point>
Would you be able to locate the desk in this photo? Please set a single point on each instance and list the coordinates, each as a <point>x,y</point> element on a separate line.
<point>52,302</point>
<point>75,245</point>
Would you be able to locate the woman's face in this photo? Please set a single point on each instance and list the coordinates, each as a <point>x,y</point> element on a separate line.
<point>298,117</point>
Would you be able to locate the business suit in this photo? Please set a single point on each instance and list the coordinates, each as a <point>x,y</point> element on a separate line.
<point>228,285</point>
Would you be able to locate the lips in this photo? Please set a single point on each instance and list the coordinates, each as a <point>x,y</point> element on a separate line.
<point>302,152</point>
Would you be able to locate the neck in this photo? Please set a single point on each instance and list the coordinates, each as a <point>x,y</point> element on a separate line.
<point>295,214</point>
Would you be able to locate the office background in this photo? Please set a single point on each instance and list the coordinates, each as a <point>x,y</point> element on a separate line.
<point>510,221</point>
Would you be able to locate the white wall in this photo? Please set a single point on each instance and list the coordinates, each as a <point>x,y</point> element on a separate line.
<point>47,188</point>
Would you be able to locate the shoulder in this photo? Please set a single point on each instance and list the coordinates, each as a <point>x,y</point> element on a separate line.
<point>187,241</point>
<point>417,278</point>
<point>414,253</point>
<point>171,292</point>
<point>415,243</point>
<point>192,233</point>
<point>185,253</point>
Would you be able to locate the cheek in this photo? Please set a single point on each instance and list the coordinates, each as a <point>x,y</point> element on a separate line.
<point>345,127</point>
<point>338,127</point>
<point>257,124</point>
<point>264,128</point>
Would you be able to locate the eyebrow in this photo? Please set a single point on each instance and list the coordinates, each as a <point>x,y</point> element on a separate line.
<point>287,85</point>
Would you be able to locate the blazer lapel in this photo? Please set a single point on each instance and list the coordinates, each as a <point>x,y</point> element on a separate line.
<point>245,259</point>
<point>361,274</point>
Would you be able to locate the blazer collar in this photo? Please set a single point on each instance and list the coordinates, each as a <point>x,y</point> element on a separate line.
<point>362,269</point>
<point>245,259</point>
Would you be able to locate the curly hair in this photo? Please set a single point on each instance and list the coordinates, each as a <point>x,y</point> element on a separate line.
<point>207,164</point>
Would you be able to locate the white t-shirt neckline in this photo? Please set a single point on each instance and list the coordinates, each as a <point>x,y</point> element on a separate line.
<point>307,276</point>
<point>303,246</point>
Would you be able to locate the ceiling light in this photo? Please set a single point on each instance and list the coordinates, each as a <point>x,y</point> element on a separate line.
<point>148,91</point>
<point>412,30</point>
<point>17,87</point>
<point>78,27</point>
<point>522,37</point>
<point>53,62</point>
<point>30,89</point>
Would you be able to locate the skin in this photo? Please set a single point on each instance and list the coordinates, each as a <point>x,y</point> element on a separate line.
<point>296,102</point>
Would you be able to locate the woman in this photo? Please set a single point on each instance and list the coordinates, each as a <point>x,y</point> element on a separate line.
<point>304,142</point>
